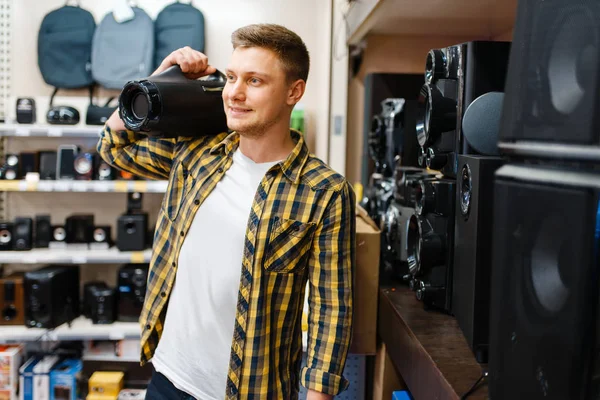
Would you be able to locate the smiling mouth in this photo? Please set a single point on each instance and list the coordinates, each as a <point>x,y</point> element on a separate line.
<point>239,110</point>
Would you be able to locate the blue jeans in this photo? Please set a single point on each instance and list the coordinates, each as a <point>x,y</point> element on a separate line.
<point>161,388</point>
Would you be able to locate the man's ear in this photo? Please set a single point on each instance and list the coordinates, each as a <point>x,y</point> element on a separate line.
<point>296,91</point>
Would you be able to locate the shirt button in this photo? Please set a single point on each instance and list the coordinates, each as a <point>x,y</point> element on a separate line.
<point>197,201</point>
<point>181,233</point>
<point>296,228</point>
<point>220,170</point>
<point>163,294</point>
<point>148,327</point>
<point>174,264</point>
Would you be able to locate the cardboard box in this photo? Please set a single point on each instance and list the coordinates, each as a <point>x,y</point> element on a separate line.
<point>10,361</point>
<point>64,379</point>
<point>386,380</point>
<point>366,285</point>
<point>41,377</point>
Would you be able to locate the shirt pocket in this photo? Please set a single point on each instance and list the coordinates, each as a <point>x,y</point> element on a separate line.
<point>176,189</point>
<point>289,245</point>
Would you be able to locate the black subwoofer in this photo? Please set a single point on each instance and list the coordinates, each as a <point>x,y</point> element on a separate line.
<point>552,85</point>
<point>473,249</point>
<point>544,309</point>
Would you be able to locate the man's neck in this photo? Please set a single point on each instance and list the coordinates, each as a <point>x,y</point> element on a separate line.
<point>274,145</point>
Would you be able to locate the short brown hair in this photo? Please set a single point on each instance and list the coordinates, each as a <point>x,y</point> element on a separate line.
<point>288,46</point>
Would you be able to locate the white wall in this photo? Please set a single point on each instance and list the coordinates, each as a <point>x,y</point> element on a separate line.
<point>309,18</point>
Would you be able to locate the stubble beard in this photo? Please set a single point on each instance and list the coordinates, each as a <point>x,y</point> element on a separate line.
<point>257,129</point>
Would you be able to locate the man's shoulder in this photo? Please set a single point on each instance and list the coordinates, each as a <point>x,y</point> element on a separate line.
<point>203,142</point>
<point>317,174</point>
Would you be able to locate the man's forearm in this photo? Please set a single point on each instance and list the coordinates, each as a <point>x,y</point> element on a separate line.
<point>314,395</point>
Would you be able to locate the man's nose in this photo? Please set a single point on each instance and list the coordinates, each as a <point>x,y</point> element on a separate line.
<point>237,91</point>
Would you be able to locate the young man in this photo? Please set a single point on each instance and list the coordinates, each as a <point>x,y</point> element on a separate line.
<point>248,219</point>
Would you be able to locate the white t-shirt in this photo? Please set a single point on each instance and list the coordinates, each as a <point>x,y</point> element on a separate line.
<point>194,349</point>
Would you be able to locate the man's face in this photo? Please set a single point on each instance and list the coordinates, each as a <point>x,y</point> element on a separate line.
<point>256,91</point>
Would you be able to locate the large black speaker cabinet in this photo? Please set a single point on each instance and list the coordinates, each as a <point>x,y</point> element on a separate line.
<point>551,101</point>
<point>544,310</point>
<point>455,77</point>
<point>473,249</point>
<point>378,87</point>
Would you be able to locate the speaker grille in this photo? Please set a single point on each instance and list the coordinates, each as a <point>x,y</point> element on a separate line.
<point>544,291</point>
<point>552,85</point>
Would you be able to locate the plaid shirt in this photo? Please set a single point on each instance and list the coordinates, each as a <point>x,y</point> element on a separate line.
<point>301,228</point>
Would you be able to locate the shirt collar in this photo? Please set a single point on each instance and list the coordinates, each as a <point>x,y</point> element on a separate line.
<point>291,167</point>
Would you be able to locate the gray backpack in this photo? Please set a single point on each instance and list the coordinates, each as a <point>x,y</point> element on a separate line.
<point>122,52</point>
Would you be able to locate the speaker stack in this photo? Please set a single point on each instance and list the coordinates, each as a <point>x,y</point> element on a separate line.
<point>457,124</point>
<point>544,309</point>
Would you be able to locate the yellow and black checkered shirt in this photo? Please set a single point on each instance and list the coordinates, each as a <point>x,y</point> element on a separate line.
<point>301,228</point>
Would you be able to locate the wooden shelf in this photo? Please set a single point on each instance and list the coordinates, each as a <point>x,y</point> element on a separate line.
<point>427,348</point>
<point>84,186</point>
<point>479,19</point>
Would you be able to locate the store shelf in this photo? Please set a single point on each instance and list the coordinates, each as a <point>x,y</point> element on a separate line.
<point>36,130</point>
<point>69,256</point>
<point>84,186</point>
<point>479,19</point>
<point>80,329</point>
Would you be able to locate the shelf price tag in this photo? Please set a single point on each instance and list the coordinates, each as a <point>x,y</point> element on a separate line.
<point>81,186</point>
<point>80,260</point>
<point>137,257</point>
<point>55,132</point>
<point>120,186</point>
<point>20,131</point>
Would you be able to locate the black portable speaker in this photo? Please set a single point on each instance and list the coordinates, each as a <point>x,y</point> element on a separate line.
<point>171,105</point>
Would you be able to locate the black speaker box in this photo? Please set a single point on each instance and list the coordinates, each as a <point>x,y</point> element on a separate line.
<point>131,282</point>
<point>473,249</point>
<point>23,233</point>
<point>29,163</point>
<point>551,102</point>
<point>544,310</point>
<point>104,172</point>
<point>43,231</point>
<point>47,165</point>
<point>132,231</point>
<point>25,110</point>
<point>103,307</point>
<point>80,228</point>
<point>65,161</point>
<point>88,289</point>
<point>51,296</point>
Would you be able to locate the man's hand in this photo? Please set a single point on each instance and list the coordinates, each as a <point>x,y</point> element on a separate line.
<point>313,395</point>
<point>192,63</point>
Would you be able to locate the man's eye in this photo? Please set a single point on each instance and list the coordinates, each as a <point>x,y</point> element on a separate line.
<point>230,77</point>
<point>254,81</point>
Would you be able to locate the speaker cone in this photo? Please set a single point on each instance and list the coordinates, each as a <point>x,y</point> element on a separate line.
<point>435,66</point>
<point>465,188</point>
<point>550,265</point>
<point>425,248</point>
<point>572,59</point>
<point>5,236</point>
<point>436,114</point>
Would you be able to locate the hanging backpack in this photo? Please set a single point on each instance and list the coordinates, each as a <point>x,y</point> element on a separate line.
<point>65,47</point>
<point>176,26</point>
<point>123,51</point>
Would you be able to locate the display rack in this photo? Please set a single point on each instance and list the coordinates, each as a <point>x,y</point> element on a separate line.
<point>25,130</point>
<point>121,186</point>
<point>79,329</point>
<point>70,256</point>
